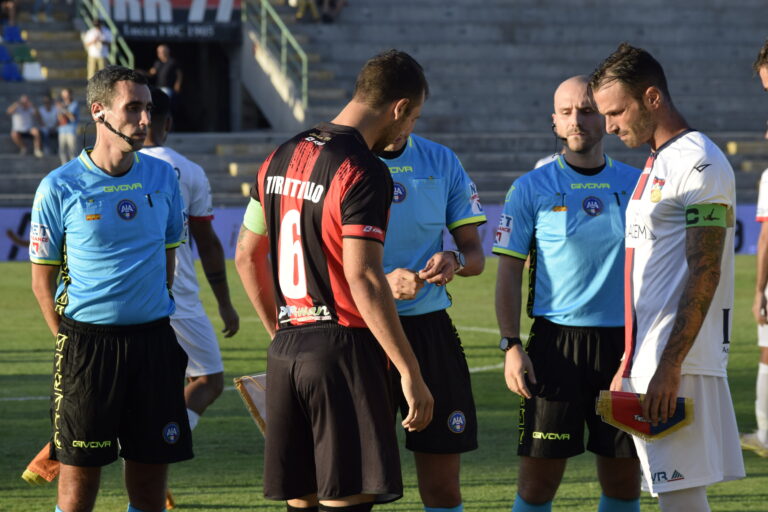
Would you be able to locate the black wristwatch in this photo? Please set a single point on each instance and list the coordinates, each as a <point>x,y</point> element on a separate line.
<point>460,260</point>
<point>507,343</point>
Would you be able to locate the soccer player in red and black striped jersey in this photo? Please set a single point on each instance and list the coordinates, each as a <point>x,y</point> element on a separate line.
<point>319,209</point>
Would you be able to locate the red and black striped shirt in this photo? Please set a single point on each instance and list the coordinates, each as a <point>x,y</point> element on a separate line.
<point>321,186</point>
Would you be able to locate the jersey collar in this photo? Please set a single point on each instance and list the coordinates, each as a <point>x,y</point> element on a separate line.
<point>85,160</point>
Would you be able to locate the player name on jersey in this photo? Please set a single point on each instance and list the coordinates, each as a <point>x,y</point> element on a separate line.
<point>291,187</point>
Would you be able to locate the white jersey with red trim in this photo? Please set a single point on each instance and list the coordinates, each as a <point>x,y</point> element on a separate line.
<point>762,198</point>
<point>196,192</point>
<point>689,170</point>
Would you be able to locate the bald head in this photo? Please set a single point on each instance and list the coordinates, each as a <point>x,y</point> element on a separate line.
<point>575,118</point>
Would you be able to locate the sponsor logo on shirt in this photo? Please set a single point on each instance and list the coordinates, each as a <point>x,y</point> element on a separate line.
<point>399,170</point>
<point>504,230</point>
<point>639,232</point>
<point>589,186</point>
<point>303,314</point>
<point>457,422</point>
<point>290,187</point>
<point>122,188</point>
<point>399,193</point>
<point>317,140</point>
<point>127,209</point>
<point>700,167</point>
<point>474,199</point>
<point>593,206</point>
<point>39,240</point>
<point>93,216</point>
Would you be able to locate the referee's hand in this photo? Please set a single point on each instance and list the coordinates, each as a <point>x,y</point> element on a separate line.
<point>516,365</point>
<point>405,284</point>
<point>420,403</point>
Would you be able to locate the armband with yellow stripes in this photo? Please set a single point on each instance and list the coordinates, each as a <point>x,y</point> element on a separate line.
<point>704,215</point>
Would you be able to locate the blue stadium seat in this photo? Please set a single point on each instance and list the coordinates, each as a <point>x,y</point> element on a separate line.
<point>10,73</point>
<point>12,34</point>
<point>4,55</point>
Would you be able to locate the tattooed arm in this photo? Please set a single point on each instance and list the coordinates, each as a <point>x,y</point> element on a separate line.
<point>253,268</point>
<point>703,251</point>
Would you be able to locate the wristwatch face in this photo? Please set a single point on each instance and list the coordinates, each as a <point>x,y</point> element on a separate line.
<point>505,344</point>
<point>460,258</point>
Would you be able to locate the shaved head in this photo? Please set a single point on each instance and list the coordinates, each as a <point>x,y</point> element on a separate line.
<point>575,117</point>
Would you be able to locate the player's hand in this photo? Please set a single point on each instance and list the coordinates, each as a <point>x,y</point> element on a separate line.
<point>516,365</point>
<point>618,379</point>
<point>440,268</point>
<point>231,320</point>
<point>758,309</point>
<point>420,403</point>
<point>405,284</point>
<point>661,397</point>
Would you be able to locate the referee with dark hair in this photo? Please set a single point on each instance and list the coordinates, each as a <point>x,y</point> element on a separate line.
<point>106,224</point>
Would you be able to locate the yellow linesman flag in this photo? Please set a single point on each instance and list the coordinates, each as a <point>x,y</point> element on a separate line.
<point>253,391</point>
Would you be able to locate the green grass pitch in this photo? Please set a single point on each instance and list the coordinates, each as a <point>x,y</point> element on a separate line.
<point>226,472</point>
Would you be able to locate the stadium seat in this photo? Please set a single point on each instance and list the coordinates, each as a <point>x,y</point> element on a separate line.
<point>4,55</point>
<point>32,72</point>
<point>22,53</point>
<point>10,73</point>
<point>12,34</point>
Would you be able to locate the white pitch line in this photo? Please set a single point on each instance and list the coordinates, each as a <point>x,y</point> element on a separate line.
<point>476,369</point>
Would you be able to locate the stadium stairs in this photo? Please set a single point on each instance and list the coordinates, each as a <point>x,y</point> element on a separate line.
<point>492,68</point>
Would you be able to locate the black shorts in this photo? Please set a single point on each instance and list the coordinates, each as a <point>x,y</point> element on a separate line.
<point>444,368</point>
<point>123,383</point>
<point>330,422</point>
<point>572,365</point>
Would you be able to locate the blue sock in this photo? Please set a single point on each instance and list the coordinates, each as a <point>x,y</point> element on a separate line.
<point>523,506</point>
<point>58,509</point>
<point>608,504</point>
<point>457,508</point>
<point>131,508</point>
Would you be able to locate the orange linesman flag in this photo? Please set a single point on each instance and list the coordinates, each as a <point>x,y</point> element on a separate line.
<point>624,411</point>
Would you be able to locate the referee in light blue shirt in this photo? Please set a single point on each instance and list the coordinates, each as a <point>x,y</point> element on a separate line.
<point>106,224</point>
<point>567,216</point>
<point>432,191</point>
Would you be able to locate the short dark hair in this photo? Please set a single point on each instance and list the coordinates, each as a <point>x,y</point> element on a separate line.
<point>101,86</point>
<point>390,76</point>
<point>762,58</point>
<point>161,104</point>
<point>633,67</point>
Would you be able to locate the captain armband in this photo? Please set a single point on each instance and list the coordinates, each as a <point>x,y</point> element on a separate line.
<point>253,220</point>
<point>705,215</point>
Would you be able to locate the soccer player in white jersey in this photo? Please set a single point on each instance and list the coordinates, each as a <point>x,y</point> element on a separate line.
<point>758,440</point>
<point>679,289</point>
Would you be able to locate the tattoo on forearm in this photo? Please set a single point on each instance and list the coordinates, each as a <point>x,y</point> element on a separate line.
<point>240,237</point>
<point>704,250</point>
<point>216,277</point>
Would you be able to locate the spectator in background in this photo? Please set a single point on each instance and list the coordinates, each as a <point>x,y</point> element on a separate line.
<point>332,9</point>
<point>67,115</point>
<point>97,40</point>
<point>49,125</point>
<point>24,121</point>
<point>8,11</point>
<point>43,16</point>
<point>301,7</point>
<point>166,72</point>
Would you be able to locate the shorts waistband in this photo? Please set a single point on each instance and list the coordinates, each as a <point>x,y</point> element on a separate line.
<point>114,329</point>
<point>329,326</point>
<point>540,322</point>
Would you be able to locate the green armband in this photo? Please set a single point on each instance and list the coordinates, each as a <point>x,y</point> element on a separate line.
<point>253,220</point>
<point>704,215</point>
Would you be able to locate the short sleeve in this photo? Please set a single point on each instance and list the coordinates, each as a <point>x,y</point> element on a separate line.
<point>515,231</point>
<point>175,232</point>
<point>463,200</point>
<point>200,207</point>
<point>366,201</point>
<point>762,198</point>
<point>46,238</point>
<point>707,183</point>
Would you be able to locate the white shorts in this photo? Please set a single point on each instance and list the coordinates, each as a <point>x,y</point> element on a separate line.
<point>705,452</point>
<point>198,339</point>
<point>762,335</point>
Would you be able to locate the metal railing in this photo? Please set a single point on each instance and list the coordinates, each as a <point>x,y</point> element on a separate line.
<point>275,37</point>
<point>119,51</point>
